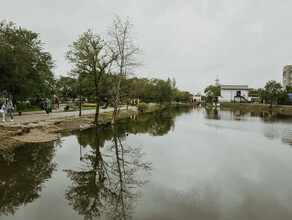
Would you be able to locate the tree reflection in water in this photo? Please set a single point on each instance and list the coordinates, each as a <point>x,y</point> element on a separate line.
<point>108,182</point>
<point>212,113</point>
<point>23,173</point>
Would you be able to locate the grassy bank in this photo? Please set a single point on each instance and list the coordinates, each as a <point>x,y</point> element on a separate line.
<point>283,109</point>
<point>153,108</point>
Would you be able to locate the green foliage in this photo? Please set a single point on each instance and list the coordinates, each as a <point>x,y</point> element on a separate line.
<point>20,107</point>
<point>67,87</point>
<point>142,107</point>
<point>289,89</point>
<point>25,68</point>
<point>23,106</point>
<point>253,91</point>
<point>160,90</point>
<point>181,96</point>
<point>283,98</point>
<point>154,90</point>
<point>272,92</point>
<point>90,59</point>
<point>212,93</point>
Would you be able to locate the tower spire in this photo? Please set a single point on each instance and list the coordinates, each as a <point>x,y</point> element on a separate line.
<point>217,81</point>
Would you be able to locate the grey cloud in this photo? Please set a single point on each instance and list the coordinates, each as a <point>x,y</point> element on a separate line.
<point>244,42</point>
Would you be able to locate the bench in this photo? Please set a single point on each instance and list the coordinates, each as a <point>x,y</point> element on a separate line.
<point>69,107</point>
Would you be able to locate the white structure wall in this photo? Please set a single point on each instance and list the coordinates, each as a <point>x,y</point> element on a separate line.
<point>230,93</point>
<point>287,76</point>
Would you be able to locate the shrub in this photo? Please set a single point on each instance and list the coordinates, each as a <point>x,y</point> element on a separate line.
<point>28,105</point>
<point>142,107</point>
<point>41,105</point>
<point>34,102</point>
<point>20,106</point>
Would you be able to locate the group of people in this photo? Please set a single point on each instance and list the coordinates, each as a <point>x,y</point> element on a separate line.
<point>6,109</point>
<point>47,105</point>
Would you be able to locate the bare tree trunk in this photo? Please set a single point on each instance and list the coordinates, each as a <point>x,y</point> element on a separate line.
<point>116,101</point>
<point>96,113</point>
<point>96,100</point>
<point>124,50</point>
<point>119,169</point>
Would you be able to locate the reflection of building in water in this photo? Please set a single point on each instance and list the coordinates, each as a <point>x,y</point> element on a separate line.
<point>214,113</point>
<point>196,108</point>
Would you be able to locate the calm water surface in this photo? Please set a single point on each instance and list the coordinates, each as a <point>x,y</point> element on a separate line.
<point>178,163</point>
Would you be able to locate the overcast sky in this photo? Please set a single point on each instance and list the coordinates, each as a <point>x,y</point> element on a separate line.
<point>241,41</point>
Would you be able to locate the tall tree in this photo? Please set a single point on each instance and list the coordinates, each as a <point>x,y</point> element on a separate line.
<point>121,45</point>
<point>273,91</point>
<point>25,68</point>
<point>67,87</point>
<point>161,90</point>
<point>91,61</point>
<point>212,93</point>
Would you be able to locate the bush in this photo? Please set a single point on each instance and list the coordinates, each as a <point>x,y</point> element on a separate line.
<point>142,107</point>
<point>34,102</point>
<point>20,106</point>
<point>128,102</point>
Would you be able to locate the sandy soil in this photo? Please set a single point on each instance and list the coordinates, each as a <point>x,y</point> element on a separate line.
<point>48,129</point>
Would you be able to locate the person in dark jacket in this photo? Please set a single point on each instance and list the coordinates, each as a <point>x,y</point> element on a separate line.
<point>47,106</point>
<point>9,106</point>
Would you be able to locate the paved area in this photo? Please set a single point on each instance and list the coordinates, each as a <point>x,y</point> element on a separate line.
<point>41,115</point>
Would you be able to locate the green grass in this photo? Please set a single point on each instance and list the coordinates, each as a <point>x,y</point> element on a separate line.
<point>91,108</point>
<point>153,108</point>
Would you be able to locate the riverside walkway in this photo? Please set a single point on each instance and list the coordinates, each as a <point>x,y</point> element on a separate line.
<point>41,115</point>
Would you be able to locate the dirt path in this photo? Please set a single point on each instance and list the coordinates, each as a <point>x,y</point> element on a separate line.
<point>41,116</point>
<point>38,127</point>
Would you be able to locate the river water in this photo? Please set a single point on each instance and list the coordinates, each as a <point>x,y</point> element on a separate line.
<point>179,163</point>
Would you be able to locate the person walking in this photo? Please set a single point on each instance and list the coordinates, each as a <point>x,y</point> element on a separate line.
<point>47,106</point>
<point>57,103</point>
<point>9,106</point>
<point>4,111</point>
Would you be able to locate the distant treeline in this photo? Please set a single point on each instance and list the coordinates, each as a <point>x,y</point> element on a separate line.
<point>272,93</point>
<point>102,68</point>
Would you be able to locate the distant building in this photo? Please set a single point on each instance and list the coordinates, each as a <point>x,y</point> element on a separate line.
<point>287,76</point>
<point>234,93</point>
<point>196,98</point>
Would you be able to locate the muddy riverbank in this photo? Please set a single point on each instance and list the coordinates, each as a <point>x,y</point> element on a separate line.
<point>15,134</point>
